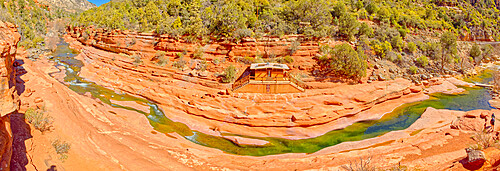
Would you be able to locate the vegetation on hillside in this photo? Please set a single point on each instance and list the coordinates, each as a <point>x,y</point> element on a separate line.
<point>317,18</point>
<point>31,18</point>
<point>344,61</point>
<point>39,119</point>
<point>410,33</point>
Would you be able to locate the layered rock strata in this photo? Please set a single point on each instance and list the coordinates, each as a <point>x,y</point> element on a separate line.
<point>9,100</point>
<point>201,100</point>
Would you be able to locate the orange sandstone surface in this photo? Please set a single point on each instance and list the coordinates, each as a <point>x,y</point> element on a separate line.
<point>107,138</point>
<point>9,101</point>
<point>124,140</point>
<point>188,98</point>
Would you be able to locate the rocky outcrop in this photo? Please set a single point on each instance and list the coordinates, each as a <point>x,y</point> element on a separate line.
<point>111,59</point>
<point>69,5</point>
<point>146,45</point>
<point>189,98</point>
<point>9,100</point>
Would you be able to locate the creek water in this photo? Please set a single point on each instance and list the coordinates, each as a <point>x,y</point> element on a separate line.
<point>401,118</point>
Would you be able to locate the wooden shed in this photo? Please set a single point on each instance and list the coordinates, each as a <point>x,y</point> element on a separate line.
<point>267,78</point>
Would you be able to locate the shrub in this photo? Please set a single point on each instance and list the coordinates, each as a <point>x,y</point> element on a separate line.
<point>483,140</point>
<point>422,46</point>
<point>348,26</point>
<point>198,53</point>
<point>242,33</point>
<point>359,165</point>
<point>365,29</point>
<point>344,61</point>
<point>397,43</point>
<point>411,47</point>
<point>362,13</point>
<point>258,59</point>
<point>162,61</point>
<point>216,61</point>
<point>413,70</point>
<point>422,61</point>
<point>39,119</point>
<point>372,8</point>
<point>391,56</point>
<point>137,59</point>
<point>131,43</point>
<point>487,51</point>
<point>246,60</point>
<point>180,55</point>
<point>160,58</point>
<point>324,49</point>
<point>288,59</point>
<point>179,64</point>
<point>475,52</point>
<point>294,47</point>
<point>402,32</point>
<point>62,148</point>
<point>381,49</point>
<point>433,50</point>
<point>229,74</point>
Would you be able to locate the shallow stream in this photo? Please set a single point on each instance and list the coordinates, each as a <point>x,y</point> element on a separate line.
<point>401,118</point>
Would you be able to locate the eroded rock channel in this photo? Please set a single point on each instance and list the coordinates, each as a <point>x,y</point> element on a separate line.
<point>399,119</point>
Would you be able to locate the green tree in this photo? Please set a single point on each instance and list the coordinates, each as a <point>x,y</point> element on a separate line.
<point>365,29</point>
<point>397,43</point>
<point>339,10</point>
<point>372,8</point>
<point>448,47</point>
<point>229,74</point>
<point>411,47</point>
<point>487,51</point>
<point>384,14</point>
<point>475,53</point>
<point>348,26</point>
<point>381,49</point>
<point>422,61</point>
<point>152,15</point>
<point>345,61</point>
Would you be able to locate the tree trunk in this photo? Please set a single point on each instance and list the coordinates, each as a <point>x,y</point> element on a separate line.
<point>443,57</point>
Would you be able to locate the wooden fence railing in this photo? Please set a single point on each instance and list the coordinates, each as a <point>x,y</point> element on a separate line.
<point>246,79</point>
<point>241,82</point>
<point>298,82</point>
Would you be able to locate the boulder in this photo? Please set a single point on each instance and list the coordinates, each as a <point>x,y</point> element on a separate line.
<point>446,88</point>
<point>458,82</point>
<point>381,78</point>
<point>492,155</point>
<point>415,89</point>
<point>468,124</point>
<point>38,100</point>
<point>245,141</point>
<point>332,102</point>
<point>475,159</point>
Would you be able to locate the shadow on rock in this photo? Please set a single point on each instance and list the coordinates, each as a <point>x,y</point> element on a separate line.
<point>475,159</point>
<point>52,168</point>
<point>20,71</point>
<point>21,132</point>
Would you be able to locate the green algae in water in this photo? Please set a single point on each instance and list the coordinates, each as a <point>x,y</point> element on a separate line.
<point>401,118</point>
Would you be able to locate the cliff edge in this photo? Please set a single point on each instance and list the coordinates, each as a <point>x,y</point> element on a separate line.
<point>9,100</point>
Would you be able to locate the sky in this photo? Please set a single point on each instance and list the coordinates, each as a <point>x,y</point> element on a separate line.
<point>99,2</point>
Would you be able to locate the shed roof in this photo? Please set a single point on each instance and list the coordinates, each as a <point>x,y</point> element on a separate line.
<point>269,65</point>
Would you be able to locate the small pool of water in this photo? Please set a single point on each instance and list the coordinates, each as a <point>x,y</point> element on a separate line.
<point>400,118</point>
